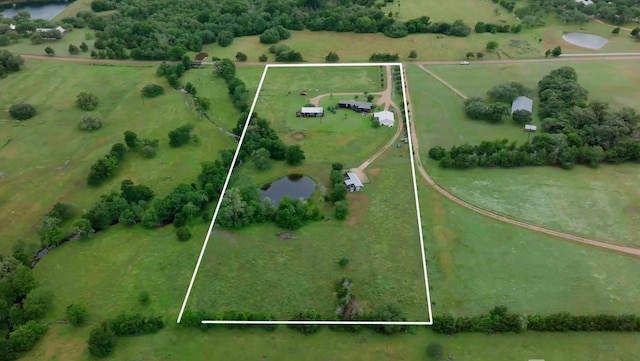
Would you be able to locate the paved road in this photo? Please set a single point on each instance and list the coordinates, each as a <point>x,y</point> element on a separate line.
<point>498,217</point>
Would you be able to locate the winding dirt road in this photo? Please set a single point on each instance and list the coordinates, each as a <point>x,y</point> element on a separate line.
<point>498,217</point>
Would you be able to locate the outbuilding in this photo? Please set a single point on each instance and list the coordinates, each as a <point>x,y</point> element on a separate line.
<point>363,107</point>
<point>522,103</point>
<point>385,118</point>
<point>310,112</point>
<point>352,182</point>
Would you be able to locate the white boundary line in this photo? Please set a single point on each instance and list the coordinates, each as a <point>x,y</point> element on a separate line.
<point>415,190</point>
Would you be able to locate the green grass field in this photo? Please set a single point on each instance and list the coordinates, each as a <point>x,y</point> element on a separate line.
<point>471,11</point>
<point>551,197</point>
<point>64,343</point>
<point>40,147</point>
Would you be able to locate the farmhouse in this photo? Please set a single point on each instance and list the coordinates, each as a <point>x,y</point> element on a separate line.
<point>522,103</point>
<point>352,182</point>
<point>44,31</point>
<point>356,105</point>
<point>384,118</point>
<point>310,112</point>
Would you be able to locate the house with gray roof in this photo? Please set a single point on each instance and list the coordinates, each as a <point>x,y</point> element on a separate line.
<point>310,112</point>
<point>352,182</point>
<point>522,103</point>
<point>356,105</point>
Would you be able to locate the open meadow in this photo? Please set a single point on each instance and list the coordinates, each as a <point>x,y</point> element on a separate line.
<point>48,158</point>
<point>559,199</point>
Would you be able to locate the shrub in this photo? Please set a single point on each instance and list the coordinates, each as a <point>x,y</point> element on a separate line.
<point>180,136</point>
<point>135,324</point>
<point>76,314</point>
<point>144,299</point>
<point>343,262</point>
<point>437,152</point>
<point>24,337</point>
<point>102,341</point>
<point>22,111</point>
<point>306,316</point>
<point>183,234</point>
<point>435,350</point>
<point>87,101</point>
<point>521,116</point>
<point>91,121</point>
<point>341,210</point>
<point>152,90</point>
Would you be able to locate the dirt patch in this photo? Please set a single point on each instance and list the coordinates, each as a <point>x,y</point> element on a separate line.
<point>358,206</point>
<point>298,136</point>
<point>285,236</point>
<point>232,237</point>
<point>375,172</point>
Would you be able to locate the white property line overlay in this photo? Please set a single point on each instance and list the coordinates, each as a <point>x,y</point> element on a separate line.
<point>415,191</point>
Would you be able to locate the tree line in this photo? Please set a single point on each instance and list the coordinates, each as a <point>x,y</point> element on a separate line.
<point>499,320</point>
<point>618,12</point>
<point>152,30</point>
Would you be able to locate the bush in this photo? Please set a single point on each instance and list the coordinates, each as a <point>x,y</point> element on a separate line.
<point>26,336</point>
<point>91,121</point>
<point>343,262</point>
<point>180,136</point>
<point>183,234</point>
<point>144,299</point>
<point>22,111</point>
<point>306,316</point>
<point>341,210</point>
<point>76,314</point>
<point>135,324</point>
<point>521,116</point>
<point>102,341</point>
<point>87,101</point>
<point>437,152</point>
<point>152,90</point>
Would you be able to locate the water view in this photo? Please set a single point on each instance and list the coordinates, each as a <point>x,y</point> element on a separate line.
<point>296,186</point>
<point>37,11</point>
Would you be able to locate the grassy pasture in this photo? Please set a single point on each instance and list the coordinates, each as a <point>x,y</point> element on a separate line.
<point>346,136</point>
<point>34,160</point>
<point>255,269</point>
<point>470,11</point>
<point>64,343</point>
<point>600,203</point>
<point>61,47</point>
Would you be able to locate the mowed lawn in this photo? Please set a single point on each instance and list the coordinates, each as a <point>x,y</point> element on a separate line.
<point>345,136</point>
<point>259,269</point>
<point>48,158</point>
<point>599,203</point>
<point>65,343</point>
<point>470,11</point>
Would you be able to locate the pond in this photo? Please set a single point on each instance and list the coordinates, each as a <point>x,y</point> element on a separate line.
<point>295,186</point>
<point>37,11</point>
<point>584,40</point>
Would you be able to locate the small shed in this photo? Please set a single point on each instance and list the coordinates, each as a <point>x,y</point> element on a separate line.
<point>522,103</point>
<point>352,182</point>
<point>310,112</point>
<point>385,118</point>
<point>12,27</point>
<point>356,105</point>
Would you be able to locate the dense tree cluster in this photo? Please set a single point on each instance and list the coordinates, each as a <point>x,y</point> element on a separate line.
<point>618,12</point>
<point>385,57</point>
<point>22,305</point>
<point>9,63</point>
<point>50,230</point>
<point>150,29</point>
<point>130,324</point>
<point>497,107</point>
<point>338,193</point>
<point>105,167</point>
<point>147,147</point>
<point>508,5</point>
<point>499,320</point>
<point>482,27</point>
<point>285,54</point>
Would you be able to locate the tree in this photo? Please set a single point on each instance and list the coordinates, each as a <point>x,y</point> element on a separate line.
<point>470,54</point>
<point>332,57</point>
<point>343,262</point>
<point>73,50</point>
<point>102,341</point>
<point>225,38</point>
<point>240,56</point>
<point>24,337</point>
<point>76,314</point>
<point>294,155</point>
<point>261,159</point>
<point>616,31</point>
<point>479,55</point>
<point>557,51</point>
<point>521,116</point>
<point>152,90</point>
<point>87,101</point>
<point>131,139</point>
<point>492,45</point>
<point>84,47</point>
<point>83,229</point>
<point>437,153</point>
<point>635,33</point>
<point>547,53</point>
<point>413,55</point>
<point>22,252</point>
<point>180,136</point>
<point>183,234</point>
<point>507,92</point>
<point>262,58</point>
<point>496,112</point>
<point>435,350</point>
<point>341,210</point>
<point>49,51</point>
<point>22,111</point>
<point>91,121</point>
